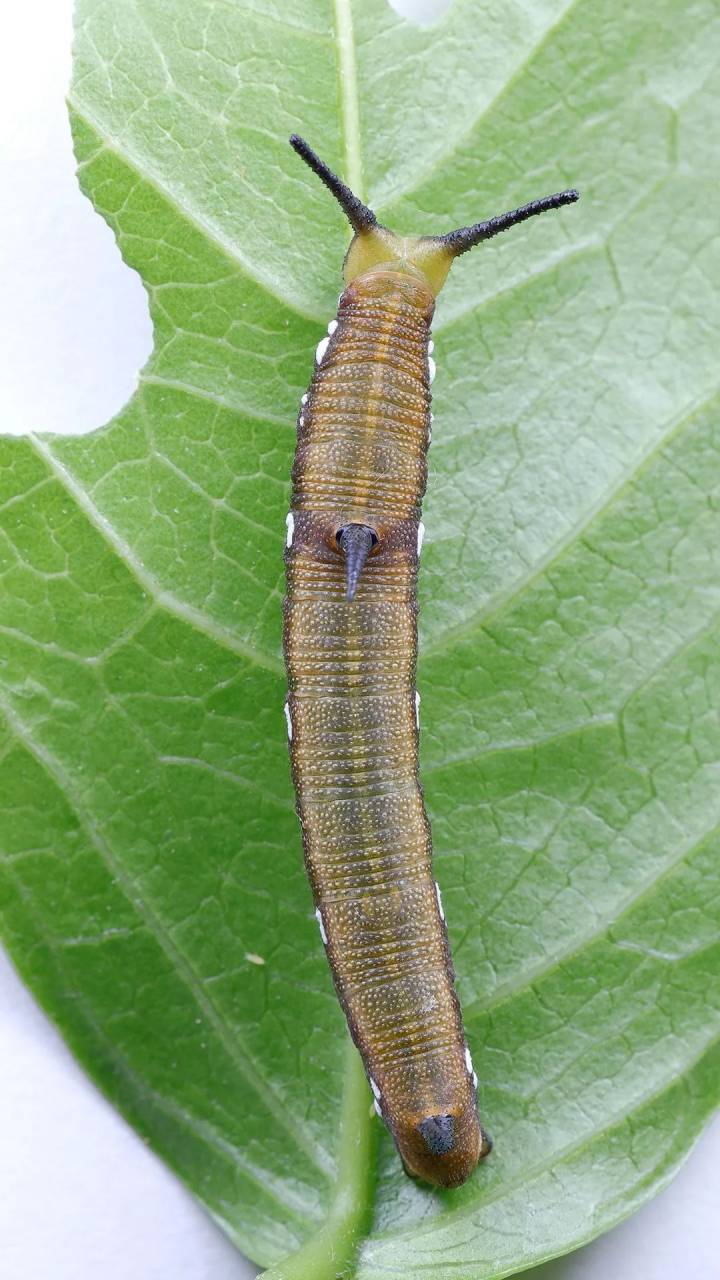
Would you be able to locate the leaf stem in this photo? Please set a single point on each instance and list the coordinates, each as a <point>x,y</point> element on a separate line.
<point>330,1252</point>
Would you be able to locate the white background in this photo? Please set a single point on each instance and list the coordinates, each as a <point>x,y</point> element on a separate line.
<point>80,1196</point>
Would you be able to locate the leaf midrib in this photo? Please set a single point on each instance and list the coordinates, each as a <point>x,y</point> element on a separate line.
<point>349,97</point>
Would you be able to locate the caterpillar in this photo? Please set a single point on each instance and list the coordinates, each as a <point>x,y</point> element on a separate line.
<point>350,640</point>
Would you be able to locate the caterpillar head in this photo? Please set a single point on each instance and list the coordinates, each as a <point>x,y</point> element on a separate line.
<point>375,247</point>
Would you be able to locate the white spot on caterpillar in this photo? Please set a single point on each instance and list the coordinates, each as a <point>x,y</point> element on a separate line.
<point>468,1061</point>
<point>304,399</point>
<point>321,348</point>
<point>432,369</point>
<point>474,1080</point>
<point>417,709</point>
<point>438,895</point>
<point>253,958</point>
<point>378,1109</point>
<point>431,347</point>
<point>421,535</point>
<point>332,326</point>
<point>376,1092</point>
<point>286,709</point>
<point>301,420</point>
<point>318,917</point>
<point>290,522</point>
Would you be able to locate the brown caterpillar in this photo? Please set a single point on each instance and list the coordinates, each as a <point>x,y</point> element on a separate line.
<point>350,639</point>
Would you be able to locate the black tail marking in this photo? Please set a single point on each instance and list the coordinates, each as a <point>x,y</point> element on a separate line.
<point>438,1134</point>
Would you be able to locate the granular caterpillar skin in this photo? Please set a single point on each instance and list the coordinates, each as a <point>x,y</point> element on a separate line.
<point>352,548</point>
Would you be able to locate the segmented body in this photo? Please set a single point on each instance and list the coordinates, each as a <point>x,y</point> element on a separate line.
<point>352,712</point>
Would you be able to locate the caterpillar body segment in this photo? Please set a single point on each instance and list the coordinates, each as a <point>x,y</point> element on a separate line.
<point>350,640</point>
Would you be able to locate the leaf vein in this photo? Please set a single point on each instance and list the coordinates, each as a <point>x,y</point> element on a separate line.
<point>231,1042</point>
<point>165,600</point>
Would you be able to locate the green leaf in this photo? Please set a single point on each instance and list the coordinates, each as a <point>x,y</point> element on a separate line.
<point>570,598</point>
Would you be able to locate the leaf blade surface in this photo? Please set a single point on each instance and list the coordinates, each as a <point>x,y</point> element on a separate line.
<point>569,597</point>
